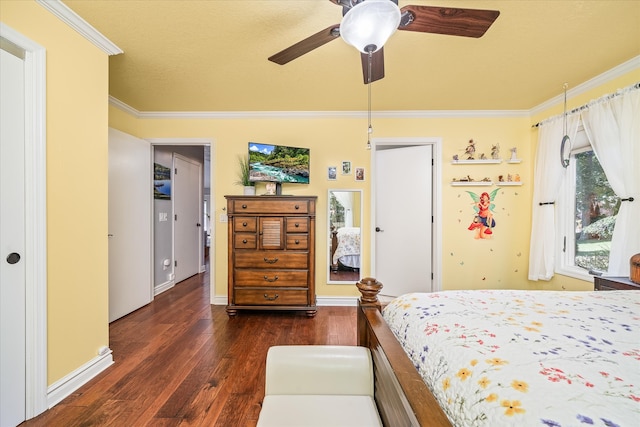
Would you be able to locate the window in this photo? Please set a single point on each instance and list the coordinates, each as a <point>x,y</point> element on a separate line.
<point>587,210</point>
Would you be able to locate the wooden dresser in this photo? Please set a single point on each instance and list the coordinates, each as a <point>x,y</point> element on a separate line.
<point>271,253</point>
<point>614,284</point>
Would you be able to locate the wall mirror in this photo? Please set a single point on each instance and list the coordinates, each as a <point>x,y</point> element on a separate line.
<point>344,231</point>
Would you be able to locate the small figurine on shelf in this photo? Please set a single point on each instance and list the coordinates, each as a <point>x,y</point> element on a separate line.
<point>470,151</point>
<point>509,178</point>
<point>483,157</point>
<point>500,178</point>
<point>514,153</point>
<point>455,157</point>
<point>495,152</point>
<point>517,177</point>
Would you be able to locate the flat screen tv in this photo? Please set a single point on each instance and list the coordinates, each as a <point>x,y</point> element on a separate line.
<point>279,164</point>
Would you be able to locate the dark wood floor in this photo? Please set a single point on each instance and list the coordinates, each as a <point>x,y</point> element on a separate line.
<point>182,362</point>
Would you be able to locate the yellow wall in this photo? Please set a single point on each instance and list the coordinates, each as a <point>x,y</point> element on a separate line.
<point>77,162</point>
<point>467,263</point>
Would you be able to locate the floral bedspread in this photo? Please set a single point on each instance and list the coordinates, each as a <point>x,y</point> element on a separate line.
<point>348,242</point>
<point>518,358</point>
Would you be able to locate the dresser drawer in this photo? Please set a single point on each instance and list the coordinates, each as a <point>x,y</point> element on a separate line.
<point>272,260</point>
<point>270,296</point>
<point>271,278</point>
<point>244,241</point>
<point>297,225</point>
<point>244,223</point>
<point>297,241</point>
<point>270,206</point>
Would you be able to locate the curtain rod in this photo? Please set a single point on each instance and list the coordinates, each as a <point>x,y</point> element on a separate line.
<point>586,106</point>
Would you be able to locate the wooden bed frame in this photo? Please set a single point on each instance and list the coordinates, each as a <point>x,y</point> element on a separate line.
<point>402,397</point>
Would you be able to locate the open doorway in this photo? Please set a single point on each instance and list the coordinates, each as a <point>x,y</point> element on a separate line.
<point>182,202</point>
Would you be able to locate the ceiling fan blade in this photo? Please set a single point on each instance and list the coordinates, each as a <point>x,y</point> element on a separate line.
<point>377,66</point>
<point>447,20</point>
<point>307,45</point>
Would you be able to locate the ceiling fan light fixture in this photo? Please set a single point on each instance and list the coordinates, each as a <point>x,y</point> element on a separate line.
<point>368,25</point>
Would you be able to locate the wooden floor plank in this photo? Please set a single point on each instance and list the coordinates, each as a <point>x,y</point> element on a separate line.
<point>180,361</point>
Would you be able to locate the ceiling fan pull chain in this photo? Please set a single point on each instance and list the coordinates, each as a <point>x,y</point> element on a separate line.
<point>369,129</point>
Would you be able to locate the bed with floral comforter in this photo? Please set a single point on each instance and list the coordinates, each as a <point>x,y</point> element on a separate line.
<point>526,358</point>
<point>348,250</point>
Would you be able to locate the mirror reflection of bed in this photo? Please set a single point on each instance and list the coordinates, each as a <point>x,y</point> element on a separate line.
<point>345,220</point>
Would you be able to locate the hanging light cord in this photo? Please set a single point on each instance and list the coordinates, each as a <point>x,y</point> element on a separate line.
<point>369,129</point>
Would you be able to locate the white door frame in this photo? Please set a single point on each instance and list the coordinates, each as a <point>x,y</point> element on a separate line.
<point>36,220</point>
<point>436,192</point>
<point>212,207</point>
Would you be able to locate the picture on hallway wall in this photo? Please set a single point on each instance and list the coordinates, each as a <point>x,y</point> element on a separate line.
<point>161,182</point>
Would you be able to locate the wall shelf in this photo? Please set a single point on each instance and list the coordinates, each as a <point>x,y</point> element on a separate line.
<point>471,183</point>
<point>509,184</point>
<point>476,162</point>
<point>513,161</point>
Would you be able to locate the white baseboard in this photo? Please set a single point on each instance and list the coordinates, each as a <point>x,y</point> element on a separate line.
<point>321,301</point>
<point>62,388</point>
<point>163,287</point>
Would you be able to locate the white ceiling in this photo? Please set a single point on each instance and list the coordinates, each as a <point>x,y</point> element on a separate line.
<point>211,55</point>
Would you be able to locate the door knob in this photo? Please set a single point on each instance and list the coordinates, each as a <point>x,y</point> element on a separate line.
<point>378,230</point>
<point>13,258</point>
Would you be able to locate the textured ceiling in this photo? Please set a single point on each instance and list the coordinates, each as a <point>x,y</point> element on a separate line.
<point>189,55</point>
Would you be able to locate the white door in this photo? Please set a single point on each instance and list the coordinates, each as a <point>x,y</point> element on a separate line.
<point>12,242</point>
<point>130,192</point>
<point>403,219</point>
<point>187,209</point>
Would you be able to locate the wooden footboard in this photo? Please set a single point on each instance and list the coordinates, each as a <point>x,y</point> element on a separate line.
<point>402,397</point>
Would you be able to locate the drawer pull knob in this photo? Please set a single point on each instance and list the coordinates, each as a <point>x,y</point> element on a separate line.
<point>297,242</point>
<point>244,224</point>
<point>244,206</point>
<point>273,298</point>
<point>296,225</point>
<point>297,206</point>
<point>244,240</point>
<point>270,261</point>
<point>271,280</point>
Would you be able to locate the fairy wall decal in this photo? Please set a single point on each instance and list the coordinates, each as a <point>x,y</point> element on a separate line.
<point>483,221</point>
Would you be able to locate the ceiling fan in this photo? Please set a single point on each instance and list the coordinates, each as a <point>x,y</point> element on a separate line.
<point>424,19</point>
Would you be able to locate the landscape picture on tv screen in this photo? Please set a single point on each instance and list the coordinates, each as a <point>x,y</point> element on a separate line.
<point>278,163</point>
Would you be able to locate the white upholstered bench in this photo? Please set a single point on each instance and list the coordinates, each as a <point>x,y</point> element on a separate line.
<point>319,385</point>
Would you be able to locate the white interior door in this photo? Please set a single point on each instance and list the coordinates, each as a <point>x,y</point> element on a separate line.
<point>187,209</point>
<point>12,242</point>
<point>403,219</point>
<point>130,192</point>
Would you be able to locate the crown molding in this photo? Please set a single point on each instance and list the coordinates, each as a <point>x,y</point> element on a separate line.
<point>620,70</point>
<point>74,20</point>
<point>310,114</point>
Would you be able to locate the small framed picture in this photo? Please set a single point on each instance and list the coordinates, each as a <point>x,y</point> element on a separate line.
<point>271,188</point>
<point>359,174</point>
<point>332,172</point>
<point>346,168</point>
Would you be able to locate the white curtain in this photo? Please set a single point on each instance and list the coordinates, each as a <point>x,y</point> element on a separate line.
<point>548,176</point>
<point>345,198</point>
<point>612,125</point>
